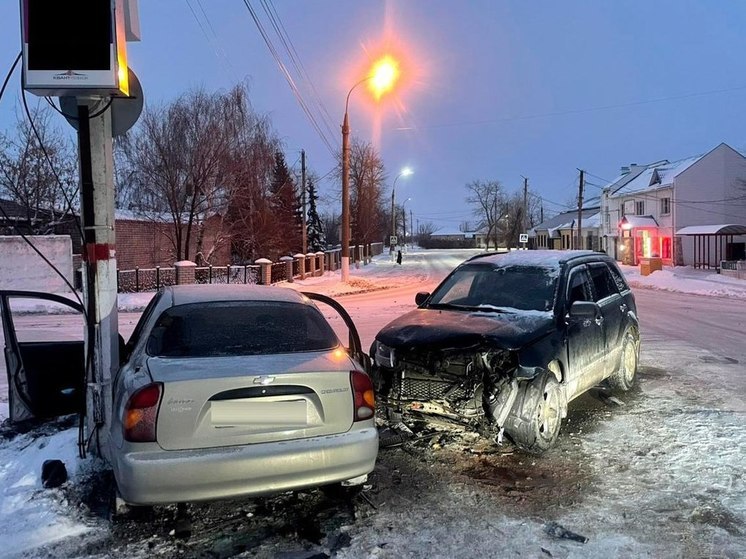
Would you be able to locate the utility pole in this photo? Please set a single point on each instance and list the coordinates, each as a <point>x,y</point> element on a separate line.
<point>411,223</point>
<point>581,184</point>
<point>303,199</point>
<point>97,210</point>
<point>524,224</point>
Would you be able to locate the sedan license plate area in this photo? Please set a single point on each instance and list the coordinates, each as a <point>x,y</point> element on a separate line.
<point>228,413</point>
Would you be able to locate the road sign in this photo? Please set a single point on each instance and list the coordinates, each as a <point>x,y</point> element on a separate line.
<point>392,240</point>
<point>523,237</point>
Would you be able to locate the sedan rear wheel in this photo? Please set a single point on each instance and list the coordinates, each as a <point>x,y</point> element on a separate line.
<point>624,377</point>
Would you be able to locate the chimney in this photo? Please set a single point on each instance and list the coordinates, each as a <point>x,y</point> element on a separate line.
<point>624,170</point>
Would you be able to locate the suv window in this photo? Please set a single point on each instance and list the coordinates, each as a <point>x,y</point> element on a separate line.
<point>512,287</point>
<point>619,280</point>
<point>603,283</point>
<point>239,328</point>
<point>578,286</point>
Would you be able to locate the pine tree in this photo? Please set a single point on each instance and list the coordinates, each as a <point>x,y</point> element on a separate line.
<point>314,229</point>
<point>285,205</point>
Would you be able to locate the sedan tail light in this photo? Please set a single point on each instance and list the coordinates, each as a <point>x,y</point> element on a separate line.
<point>365,400</point>
<point>141,412</point>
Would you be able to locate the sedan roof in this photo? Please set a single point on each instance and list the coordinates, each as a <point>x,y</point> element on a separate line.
<point>186,294</point>
<point>541,258</point>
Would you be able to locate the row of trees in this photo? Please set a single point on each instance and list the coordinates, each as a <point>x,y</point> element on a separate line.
<point>27,178</point>
<point>209,166</point>
<point>502,215</point>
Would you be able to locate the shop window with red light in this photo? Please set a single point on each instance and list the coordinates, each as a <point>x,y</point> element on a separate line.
<point>666,247</point>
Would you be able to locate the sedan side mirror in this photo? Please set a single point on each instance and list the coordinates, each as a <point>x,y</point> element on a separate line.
<point>421,297</point>
<point>581,310</point>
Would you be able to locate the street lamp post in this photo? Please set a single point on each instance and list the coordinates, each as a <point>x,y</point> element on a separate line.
<point>384,75</point>
<point>404,173</point>
<point>404,223</point>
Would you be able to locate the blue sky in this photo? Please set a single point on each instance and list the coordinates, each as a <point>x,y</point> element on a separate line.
<point>494,90</point>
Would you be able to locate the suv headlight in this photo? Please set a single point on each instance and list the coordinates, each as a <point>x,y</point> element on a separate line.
<point>384,356</point>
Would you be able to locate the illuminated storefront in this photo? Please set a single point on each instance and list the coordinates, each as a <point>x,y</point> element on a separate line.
<point>641,237</point>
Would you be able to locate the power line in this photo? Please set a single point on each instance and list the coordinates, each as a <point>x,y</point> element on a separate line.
<point>295,59</point>
<point>222,56</point>
<point>288,77</point>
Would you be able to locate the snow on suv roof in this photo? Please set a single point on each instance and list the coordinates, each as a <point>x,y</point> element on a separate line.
<point>540,258</point>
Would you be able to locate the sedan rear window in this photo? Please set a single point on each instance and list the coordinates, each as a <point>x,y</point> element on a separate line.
<point>239,328</point>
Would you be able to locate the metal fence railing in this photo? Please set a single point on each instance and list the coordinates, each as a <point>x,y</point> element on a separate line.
<point>279,272</point>
<point>145,279</point>
<point>150,279</point>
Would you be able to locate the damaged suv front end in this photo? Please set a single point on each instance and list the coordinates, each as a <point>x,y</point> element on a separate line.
<point>488,349</point>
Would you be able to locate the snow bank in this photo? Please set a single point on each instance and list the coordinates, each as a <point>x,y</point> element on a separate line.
<point>685,279</point>
<point>31,516</point>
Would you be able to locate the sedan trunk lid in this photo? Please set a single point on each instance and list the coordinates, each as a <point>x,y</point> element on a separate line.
<point>252,399</point>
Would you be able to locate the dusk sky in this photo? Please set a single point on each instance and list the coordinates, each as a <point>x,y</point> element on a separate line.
<point>490,89</point>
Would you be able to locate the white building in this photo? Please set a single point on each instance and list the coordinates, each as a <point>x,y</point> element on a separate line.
<point>646,209</point>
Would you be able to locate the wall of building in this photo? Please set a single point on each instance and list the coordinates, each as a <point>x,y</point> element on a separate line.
<point>23,269</point>
<point>147,244</point>
<point>705,193</point>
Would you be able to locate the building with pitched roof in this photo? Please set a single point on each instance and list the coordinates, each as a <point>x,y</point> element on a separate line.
<point>644,209</point>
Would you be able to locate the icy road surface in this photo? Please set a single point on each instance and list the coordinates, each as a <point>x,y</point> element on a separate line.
<point>661,475</point>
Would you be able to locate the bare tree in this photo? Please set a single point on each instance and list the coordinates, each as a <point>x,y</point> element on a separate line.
<point>182,163</point>
<point>425,230</point>
<point>29,179</point>
<point>367,180</point>
<point>251,216</point>
<point>330,223</point>
<point>486,199</point>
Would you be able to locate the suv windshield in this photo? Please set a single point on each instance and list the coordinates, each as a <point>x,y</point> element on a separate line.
<point>530,288</point>
<point>239,328</point>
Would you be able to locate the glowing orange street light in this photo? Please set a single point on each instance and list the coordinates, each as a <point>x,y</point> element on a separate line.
<point>382,77</point>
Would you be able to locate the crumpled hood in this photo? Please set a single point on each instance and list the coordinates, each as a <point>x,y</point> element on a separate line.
<point>445,329</point>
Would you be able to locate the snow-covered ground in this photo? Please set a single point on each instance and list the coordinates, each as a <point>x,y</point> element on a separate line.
<point>659,476</point>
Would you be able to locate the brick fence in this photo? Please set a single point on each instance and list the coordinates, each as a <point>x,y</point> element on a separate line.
<point>263,271</point>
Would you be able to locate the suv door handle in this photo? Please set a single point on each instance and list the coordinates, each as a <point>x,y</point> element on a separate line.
<point>599,320</point>
<point>623,307</point>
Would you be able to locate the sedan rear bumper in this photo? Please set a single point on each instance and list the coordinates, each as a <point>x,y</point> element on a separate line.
<point>155,476</point>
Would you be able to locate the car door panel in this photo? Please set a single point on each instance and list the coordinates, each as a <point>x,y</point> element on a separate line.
<point>585,338</point>
<point>45,377</point>
<point>613,310</point>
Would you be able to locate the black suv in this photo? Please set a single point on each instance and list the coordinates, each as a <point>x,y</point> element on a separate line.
<point>507,340</point>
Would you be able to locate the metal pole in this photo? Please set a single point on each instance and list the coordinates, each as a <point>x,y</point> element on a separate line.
<point>97,210</point>
<point>303,198</point>
<point>580,209</point>
<point>346,196</point>
<point>393,214</point>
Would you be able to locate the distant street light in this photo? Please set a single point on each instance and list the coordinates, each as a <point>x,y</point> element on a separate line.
<point>383,76</point>
<point>405,172</point>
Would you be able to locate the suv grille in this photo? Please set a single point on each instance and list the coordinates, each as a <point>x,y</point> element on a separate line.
<point>423,389</point>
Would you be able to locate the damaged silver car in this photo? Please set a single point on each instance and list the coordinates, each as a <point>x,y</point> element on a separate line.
<point>507,340</point>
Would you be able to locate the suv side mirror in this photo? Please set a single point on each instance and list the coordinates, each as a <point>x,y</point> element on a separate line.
<point>421,297</point>
<point>584,309</point>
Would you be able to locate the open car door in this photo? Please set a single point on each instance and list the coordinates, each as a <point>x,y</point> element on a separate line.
<point>354,347</point>
<point>44,354</point>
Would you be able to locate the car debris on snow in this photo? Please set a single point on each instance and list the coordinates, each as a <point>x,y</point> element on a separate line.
<point>558,531</point>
